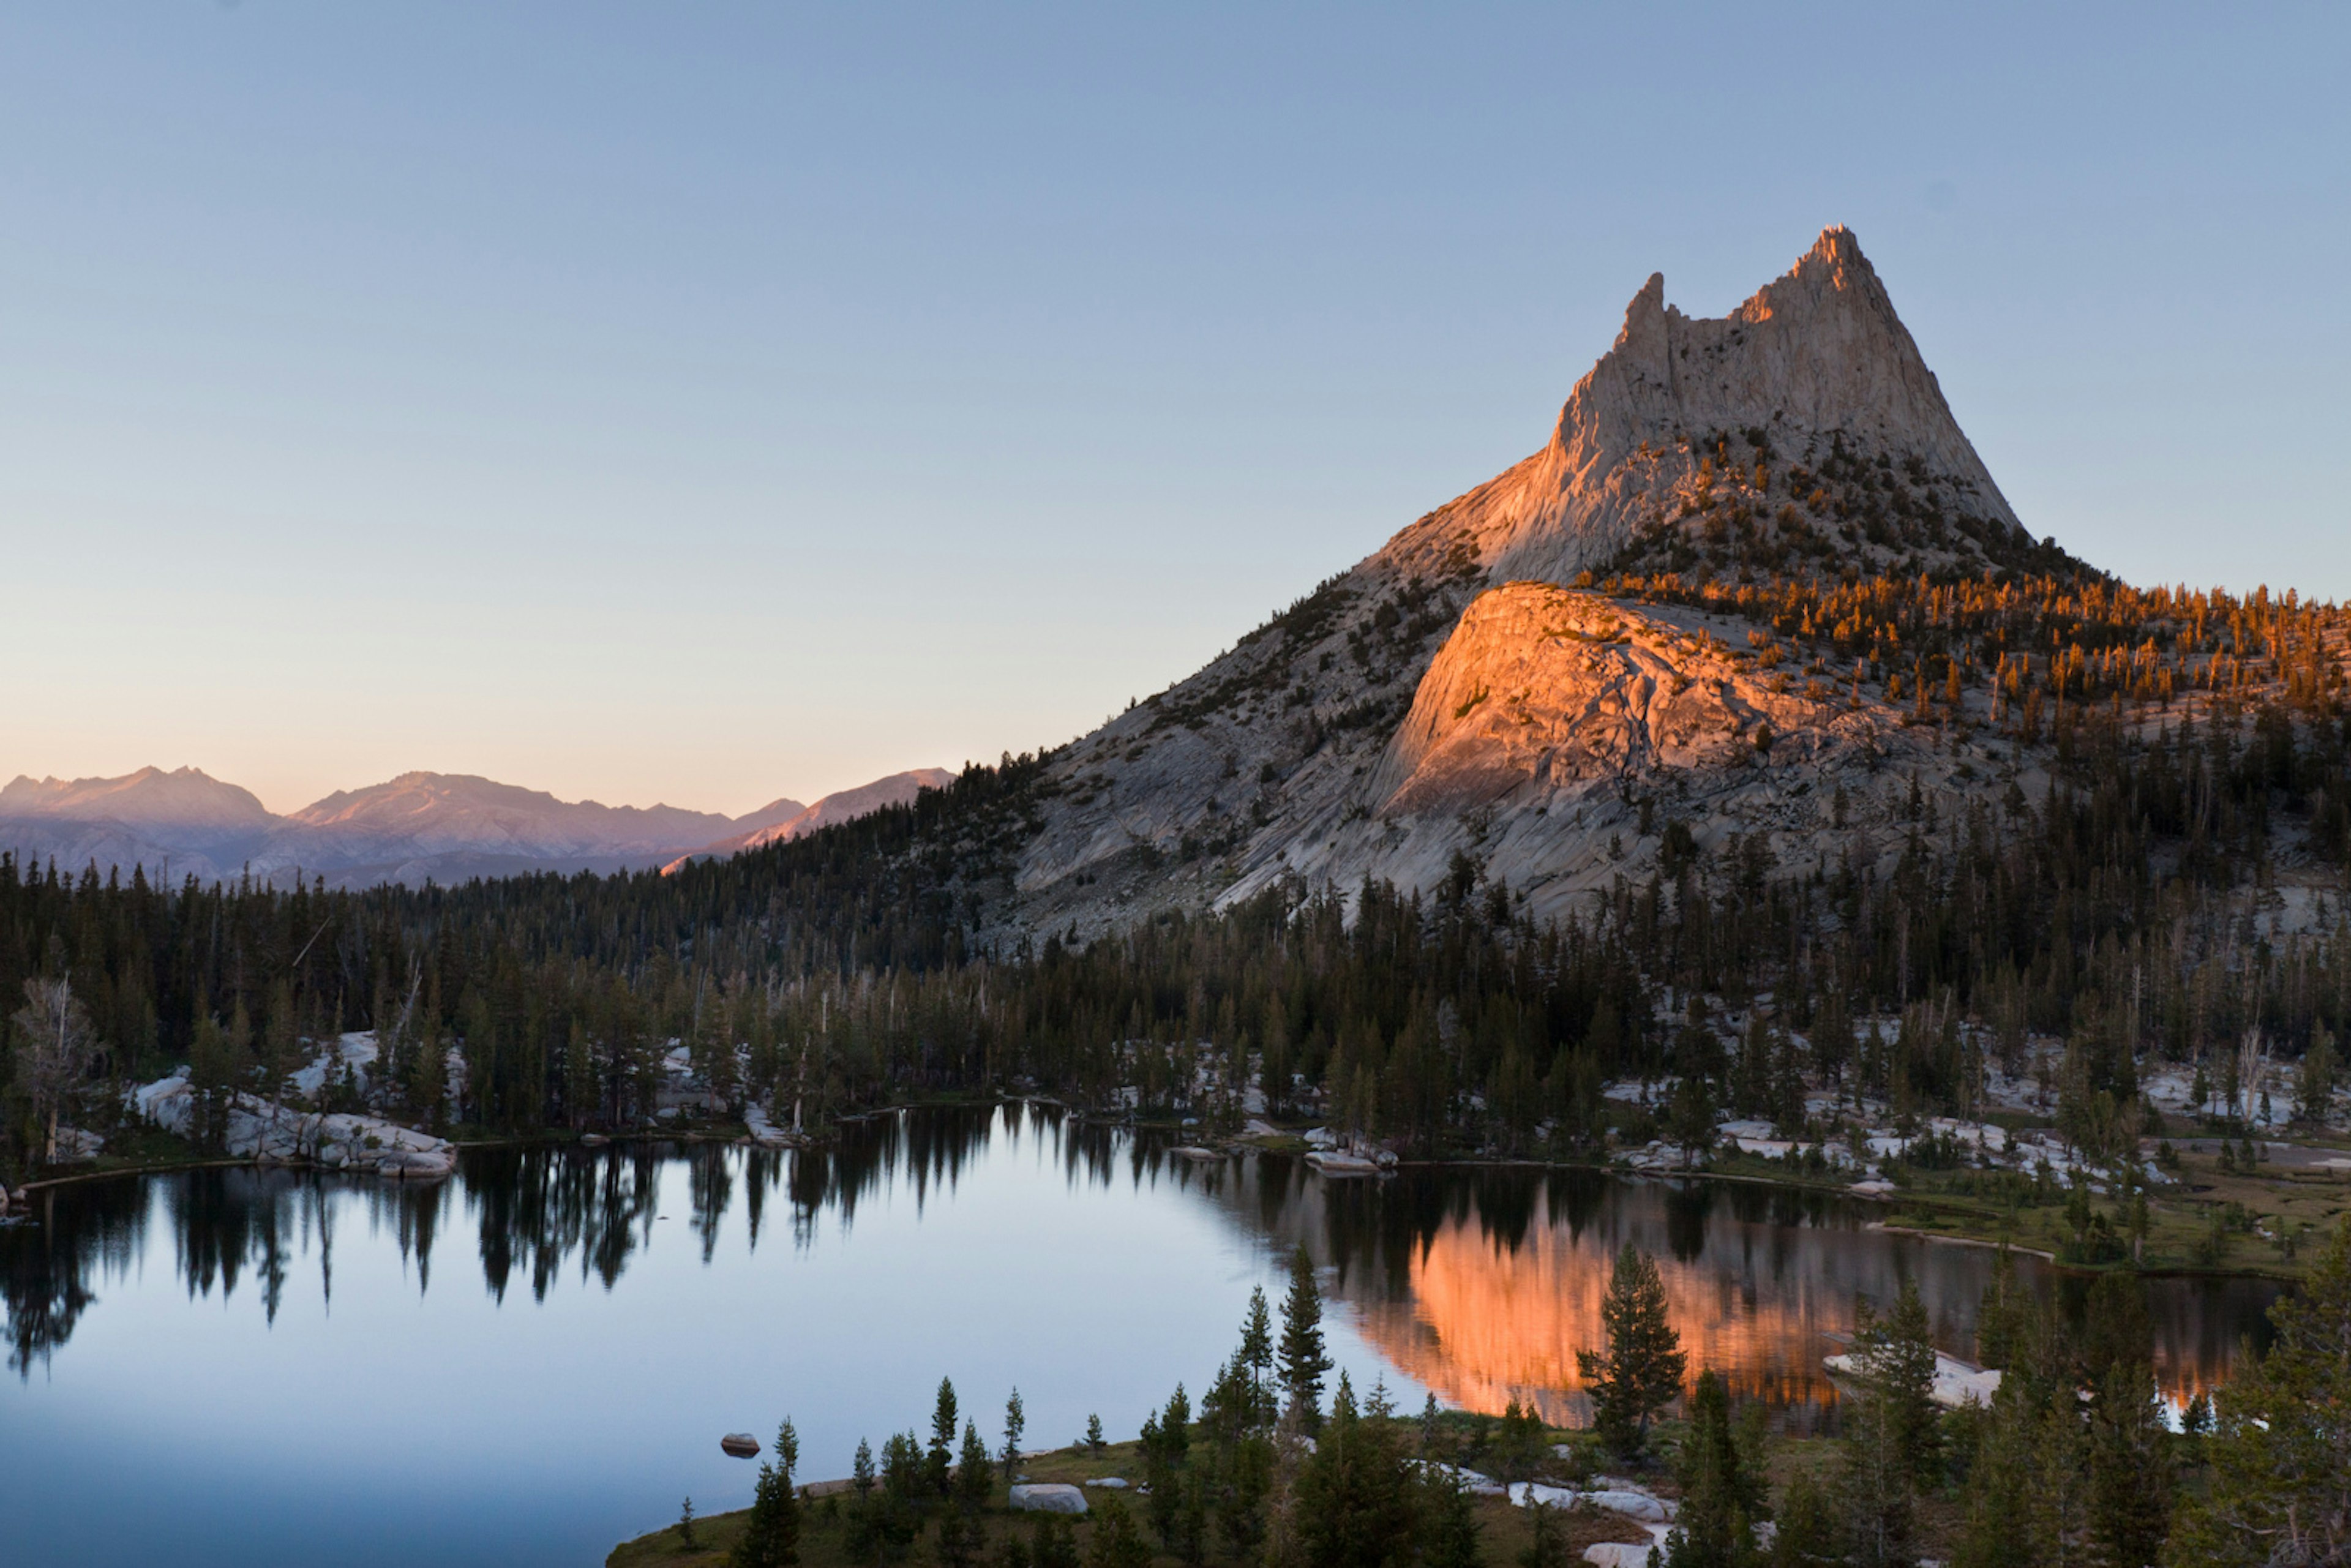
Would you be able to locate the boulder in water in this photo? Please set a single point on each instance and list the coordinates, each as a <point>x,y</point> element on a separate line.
<point>741,1445</point>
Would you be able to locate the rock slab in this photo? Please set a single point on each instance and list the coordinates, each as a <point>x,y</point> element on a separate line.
<point>271,1133</point>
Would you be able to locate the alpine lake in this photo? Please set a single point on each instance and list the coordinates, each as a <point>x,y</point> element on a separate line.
<point>537,1358</point>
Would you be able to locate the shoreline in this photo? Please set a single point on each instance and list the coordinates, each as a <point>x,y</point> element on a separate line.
<point>1966,1215</point>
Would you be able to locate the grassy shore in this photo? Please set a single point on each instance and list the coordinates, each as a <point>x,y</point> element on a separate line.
<point>823,1542</point>
<point>1505,1530</point>
<point>2208,1219</point>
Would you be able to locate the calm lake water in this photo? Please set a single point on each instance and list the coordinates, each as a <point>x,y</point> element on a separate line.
<point>536,1358</point>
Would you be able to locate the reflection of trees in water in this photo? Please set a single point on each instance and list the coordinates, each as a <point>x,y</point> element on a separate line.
<point>1480,1281</point>
<point>1483,1282</point>
<point>539,1208</point>
<point>227,1228</point>
<point>46,1266</point>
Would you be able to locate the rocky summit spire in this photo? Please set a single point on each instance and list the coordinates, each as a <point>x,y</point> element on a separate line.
<point>1456,698</point>
<point>1802,428</point>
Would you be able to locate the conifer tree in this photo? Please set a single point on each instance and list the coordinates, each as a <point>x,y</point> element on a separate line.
<point>1544,1548</point>
<point>1115,1543</point>
<point>771,1534</point>
<point>1903,1358</point>
<point>905,1490</point>
<point>55,1044</point>
<point>1256,1354</point>
<point>1167,1444</point>
<point>2130,1479</point>
<point>1455,1533</point>
<point>2280,1453</point>
<point>974,1480</point>
<point>1521,1443</point>
<point>1720,1502</point>
<point>1302,1359</point>
<point>864,1534</point>
<point>1054,1544</point>
<point>1806,1536</point>
<point>940,1461</point>
<point>1689,1118</point>
<point>1016,1422</point>
<point>2003,1313</point>
<point>2005,1524</point>
<point>1357,1499</point>
<point>1641,1371</point>
<point>1244,1476</point>
<point>1892,1440</point>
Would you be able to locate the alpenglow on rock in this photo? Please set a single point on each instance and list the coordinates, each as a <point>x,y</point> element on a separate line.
<point>1383,726</point>
<point>1814,364</point>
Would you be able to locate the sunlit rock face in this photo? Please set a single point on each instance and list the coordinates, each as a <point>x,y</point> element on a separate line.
<point>1813,362</point>
<point>1801,433</point>
<point>1543,691</point>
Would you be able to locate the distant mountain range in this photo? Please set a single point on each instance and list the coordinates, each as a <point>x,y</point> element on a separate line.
<point>444,827</point>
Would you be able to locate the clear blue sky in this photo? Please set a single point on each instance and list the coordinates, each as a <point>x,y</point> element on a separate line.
<point>708,403</point>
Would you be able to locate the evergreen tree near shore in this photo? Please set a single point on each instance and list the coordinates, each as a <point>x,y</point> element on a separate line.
<point>1893,1437</point>
<point>1302,1360</point>
<point>2280,1447</point>
<point>1722,1501</point>
<point>2072,1466</point>
<point>771,1534</point>
<point>1016,1425</point>
<point>1641,1370</point>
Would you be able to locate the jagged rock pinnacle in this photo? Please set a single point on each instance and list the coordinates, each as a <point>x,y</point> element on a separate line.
<point>1814,364</point>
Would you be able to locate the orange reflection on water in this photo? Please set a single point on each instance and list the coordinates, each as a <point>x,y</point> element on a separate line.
<point>1482,1284</point>
<point>1487,1324</point>
<point>1482,1322</point>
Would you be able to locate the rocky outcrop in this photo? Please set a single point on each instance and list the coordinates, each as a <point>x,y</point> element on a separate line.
<point>1557,739</point>
<point>1815,365</point>
<point>763,1130</point>
<point>1955,1381</point>
<point>270,1133</point>
<point>1802,433</point>
<point>1547,692</point>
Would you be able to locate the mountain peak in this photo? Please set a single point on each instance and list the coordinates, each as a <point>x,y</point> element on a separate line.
<point>183,795</point>
<point>1803,426</point>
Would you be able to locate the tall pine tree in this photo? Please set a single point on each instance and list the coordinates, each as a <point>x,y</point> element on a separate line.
<point>1302,1360</point>
<point>771,1534</point>
<point>1641,1371</point>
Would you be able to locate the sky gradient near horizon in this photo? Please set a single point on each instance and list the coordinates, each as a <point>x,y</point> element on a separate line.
<point>705,404</point>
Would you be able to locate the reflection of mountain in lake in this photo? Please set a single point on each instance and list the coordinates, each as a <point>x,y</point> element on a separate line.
<point>1480,1282</point>
<point>1483,1284</point>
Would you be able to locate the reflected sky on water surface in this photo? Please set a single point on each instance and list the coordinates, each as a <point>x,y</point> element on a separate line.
<point>532,1360</point>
